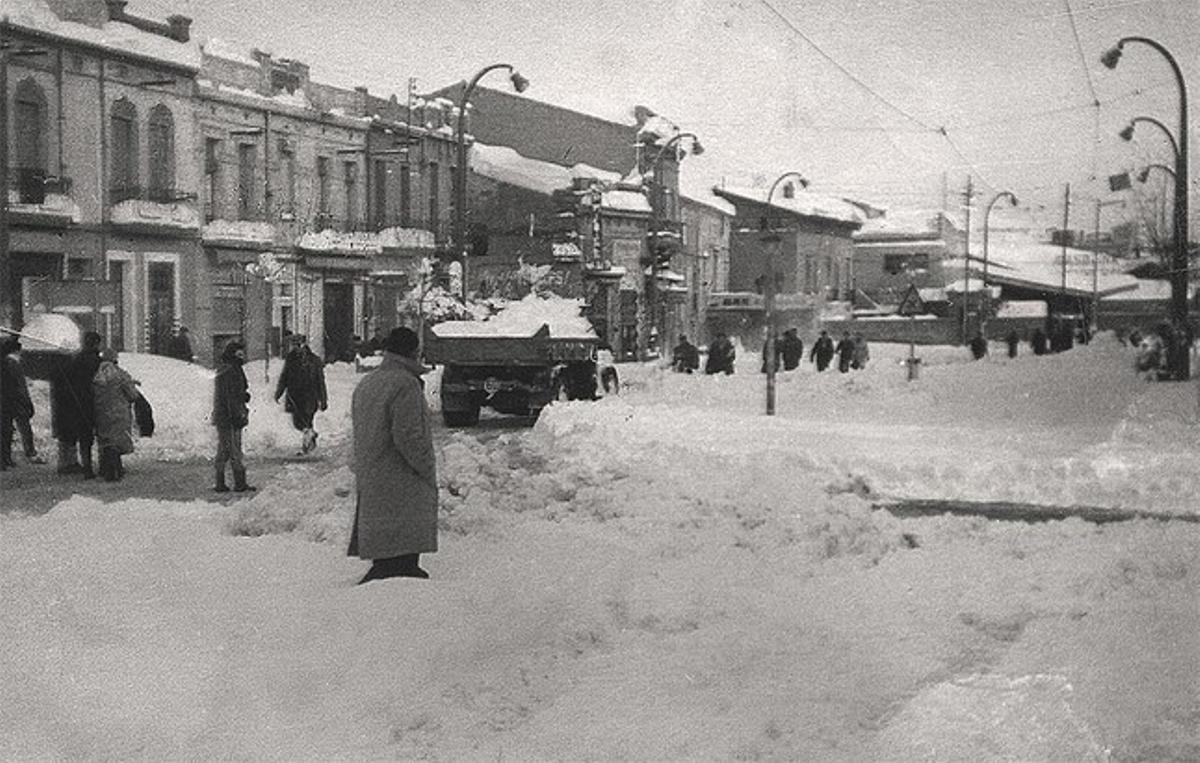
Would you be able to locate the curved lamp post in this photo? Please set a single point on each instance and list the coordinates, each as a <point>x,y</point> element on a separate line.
<point>1143,176</point>
<point>1179,261</point>
<point>1127,132</point>
<point>771,240</point>
<point>519,84</point>
<point>987,211</point>
<point>652,279</point>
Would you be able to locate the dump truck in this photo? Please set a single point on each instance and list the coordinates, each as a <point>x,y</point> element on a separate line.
<point>511,372</point>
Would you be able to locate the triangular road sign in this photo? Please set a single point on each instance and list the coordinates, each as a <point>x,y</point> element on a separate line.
<point>912,304</point>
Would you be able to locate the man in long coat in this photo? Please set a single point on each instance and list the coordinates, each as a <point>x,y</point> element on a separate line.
<point>230,415</point>
<point>822,351</point>
<point>302,386</point>
<point>395,519</point>
<point>72,407</point>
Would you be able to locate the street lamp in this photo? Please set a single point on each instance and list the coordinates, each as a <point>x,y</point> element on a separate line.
<point>1126,132</point>
<point>1179,264</point>
<point>987,211</point>
<point>519,84</point>
<point>655,244</point>
<point>771,239</point>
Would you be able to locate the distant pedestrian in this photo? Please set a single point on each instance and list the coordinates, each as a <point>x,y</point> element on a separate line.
<point>395,468</point>
<point>180,347</point>
<point>822,351</point>
<point>302,386</point>
<point>845,352</point>
<point>861,354</point>
<point>791,350</point>
<point>721,355</point>
<point>1038,342</point>
<point>72,407</point>
<point>1135,338</point>
<point>230,415</point>
<point>685,358</point>
<point>114,392</point>
<point>979,346</point>
<point>1013,340</point>
<point>16,406</point>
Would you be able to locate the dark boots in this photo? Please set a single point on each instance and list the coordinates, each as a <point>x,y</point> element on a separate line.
<point>220,485</point>
<point>404,566</point>
<point>85,461</point>
<point>110,465</point>
<point>239,481</point>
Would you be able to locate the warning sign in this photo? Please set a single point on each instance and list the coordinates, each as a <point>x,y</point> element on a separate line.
<point>912,304</point>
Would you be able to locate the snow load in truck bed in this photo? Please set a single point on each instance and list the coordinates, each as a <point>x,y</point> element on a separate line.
<point>524,318</point>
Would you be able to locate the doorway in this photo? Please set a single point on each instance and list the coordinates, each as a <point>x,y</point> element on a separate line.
<point>339,321</point>
<point>160,315</point>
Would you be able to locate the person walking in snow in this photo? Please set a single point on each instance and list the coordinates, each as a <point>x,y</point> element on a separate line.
<point>861,354</point>
<point>180,346</point>
<point>230,415</point>
<point>685,358</point>
<point>791,350</point>
<point>72,408</point>
<point>395,468</point>
<point>721,355</point>
<point>302,386</point>
<point>822,351</point>
<point>845,352</point>
<point>16,407</point>
<point>114,391</point>
<point>979,346</point>
<point>1013,340</point>
<point>1038,342</point>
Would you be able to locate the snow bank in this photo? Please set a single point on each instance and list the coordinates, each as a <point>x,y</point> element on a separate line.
<point>523,318</point>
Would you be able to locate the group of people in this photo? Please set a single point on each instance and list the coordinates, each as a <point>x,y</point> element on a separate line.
<point>93,404</point>
<point>852,353</point>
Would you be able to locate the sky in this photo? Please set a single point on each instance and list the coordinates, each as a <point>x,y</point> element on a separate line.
<point>894,102</point>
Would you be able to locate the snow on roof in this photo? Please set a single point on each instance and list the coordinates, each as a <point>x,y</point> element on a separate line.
<point>1024,258</point>
<point>803,202</point>
<point>113,35</point>
<point>228,51</point>
<point>1146,289</point>
<point>524,318</point>
<point>699,189</point>
<point>1022,308</point>
<point>663,129</point>
<point>507,166</point>
<point>900,222</point>
<point>625,201</point>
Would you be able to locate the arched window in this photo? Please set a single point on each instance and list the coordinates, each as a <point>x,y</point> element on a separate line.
<point>162,154</point>
<point>123,182</point>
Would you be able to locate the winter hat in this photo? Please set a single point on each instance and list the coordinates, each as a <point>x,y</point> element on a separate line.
<point>402,341</point>
<point>231,349</point>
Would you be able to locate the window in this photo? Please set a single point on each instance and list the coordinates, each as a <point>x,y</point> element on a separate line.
<point>894,264</point>
<point>405,195</point>
<point>287,167</point>
<point>434,212</point>
<point>212,169</point>
<point>350,176</point>
<point>379,191</point>
<point>123,181</point>
<point>284,80</point>
<point>323,185</point>
<point>162,154</point>
<point>247,159</point>
<point>30,124</point>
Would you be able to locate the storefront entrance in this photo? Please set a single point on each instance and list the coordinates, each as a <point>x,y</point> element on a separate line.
<point>339,321</point>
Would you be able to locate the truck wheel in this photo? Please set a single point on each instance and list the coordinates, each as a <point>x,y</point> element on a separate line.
<point>467,418</point>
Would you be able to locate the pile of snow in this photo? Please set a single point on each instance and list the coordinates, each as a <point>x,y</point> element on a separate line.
<point>51,331</point>
<point>525,317</point>
<point>181,396</point>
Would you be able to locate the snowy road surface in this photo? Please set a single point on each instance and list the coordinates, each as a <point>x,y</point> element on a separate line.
<point>663,575</point>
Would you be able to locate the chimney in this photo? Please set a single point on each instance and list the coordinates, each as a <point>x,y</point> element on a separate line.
<point>361,91</point>
<point>180,27</point>
<point>116,9</point>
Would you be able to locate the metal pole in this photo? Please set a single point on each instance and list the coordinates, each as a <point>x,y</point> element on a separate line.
<point>967,262</point>
<point>8,312</point>
<point>1066,222</point>
<point>1095,321</point>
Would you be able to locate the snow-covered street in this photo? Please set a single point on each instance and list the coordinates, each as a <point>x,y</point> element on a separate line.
<point>663,574</point>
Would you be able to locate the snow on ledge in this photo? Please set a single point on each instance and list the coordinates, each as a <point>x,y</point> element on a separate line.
<point>251,231</point>
<point>139,212</point>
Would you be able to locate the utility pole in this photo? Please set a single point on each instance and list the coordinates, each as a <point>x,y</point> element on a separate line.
<point>1066,222</point>
<point>967,196</point>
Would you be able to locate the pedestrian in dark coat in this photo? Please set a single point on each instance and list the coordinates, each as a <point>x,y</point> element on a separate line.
<point>1013,340</point>
<point>822,351</point>
<point>845,352</point>
<point>230,415</point>
<point>791,350</point>
<point>395,469</point>
<point>721,355</point>
<point>181,346</point>
<point>1038,342</point>
<point>979,346</point>
<point>685,358</point>
<point>114,391</point>
<point>862,353</point>
<point>16,407</point>
<point>302,386</point>
<point>72,407</point>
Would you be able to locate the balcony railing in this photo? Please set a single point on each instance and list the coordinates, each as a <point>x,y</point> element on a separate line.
<point>118,194</point>
<point>442,230</point>
<point>32,185</point>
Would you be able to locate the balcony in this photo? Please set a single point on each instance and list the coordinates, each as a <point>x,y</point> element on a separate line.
<point>39,199</point>
<point>153,209</point>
